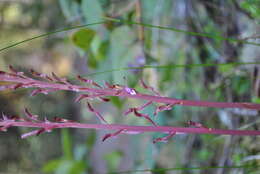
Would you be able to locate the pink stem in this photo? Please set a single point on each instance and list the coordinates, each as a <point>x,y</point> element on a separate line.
<point>111,92</point>
<point>162,129</point>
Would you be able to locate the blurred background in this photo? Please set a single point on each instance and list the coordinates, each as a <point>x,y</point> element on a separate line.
<point>105,52</point>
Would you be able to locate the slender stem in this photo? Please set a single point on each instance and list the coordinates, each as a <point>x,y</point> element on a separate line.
<point>128,128</point>
<point>112,92</point>
<point>130,22</point>
<point>218,37</point>
<point>174,66</point>
<point>50,33</point>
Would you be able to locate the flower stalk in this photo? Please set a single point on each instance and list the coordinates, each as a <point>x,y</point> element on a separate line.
<point>19,80</point>
<point>128,129</point>
<point>50,83</point>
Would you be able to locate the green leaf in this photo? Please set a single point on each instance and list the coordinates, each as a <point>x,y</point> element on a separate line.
<point>113,159</point>
<point>99,48</point>
<point>252,6</point>
<point>64,167</point>
<point>65,8</point>
<point>240,84</point>
<point>116,101</point>
<point>148,9</point>
<point>91,140</point>
<point>256,100</point>
<point>92,62</point>
<point>51,166</point>
<point>80,152</point>
<point>92,11</point>
<point>226,68</point>
<point>69,8</point>
<point>204,154</point>
<point>83,38</point>
<point>121,51</point>
<point>66,144</point>
<point>78,167</point>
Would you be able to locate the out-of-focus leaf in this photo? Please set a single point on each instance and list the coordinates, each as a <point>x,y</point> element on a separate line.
<point>95,44</point>
<point>116,101</point>
<point>92,11</point>
<point>83,38</point>
<point>252,6</point>
<point>256,100</point>
<point>66,144</point>
<point>51,166</point>
<point>99,48</point>
<point>91,139</point>
<point>207,137</point>
<point>167,74</point>
<point>64,167</point>
<point>237,157</point>
<point>204,154</point>
<point>69,8</point>
<point>65,7</point>
<point>113,159</point>
<point>121,51</point>
<point>149,155</point>
<point>225,68</point>
<point>92,62</point>
<point>240,84</point>
<point>79,152</point>
<point>101,53</point>
<point>102,50</point>
<point>148,9</point>
<point>78,167</point>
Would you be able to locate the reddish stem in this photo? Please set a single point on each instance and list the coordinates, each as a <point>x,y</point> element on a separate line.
<point>32,83</point>
<point>162,129</point>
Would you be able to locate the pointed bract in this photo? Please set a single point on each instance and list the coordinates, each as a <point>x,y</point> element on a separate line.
<point>129,111</point>
<point>112,134</point>
<point>88,81</point>
<point>14,71</point>
<point>30,116</point>
<point>196,124</point>
<point>35,132</point>
<point>138,114</point>
<point>149,88</point>
<point>18,85</point>
<point>104,99</point>
<point>163,108</point>
<point>98,115</point>
<point>164,139</point>
<point>80,97</point>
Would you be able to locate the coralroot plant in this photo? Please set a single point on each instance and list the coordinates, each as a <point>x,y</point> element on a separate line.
<point>43,83</point>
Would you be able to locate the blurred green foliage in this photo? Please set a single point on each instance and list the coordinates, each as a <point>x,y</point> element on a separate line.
<point>252,6</point>
<point>113,160</point>
<point>69,163</point>
<point>83,38</point>
<point>177,46</point>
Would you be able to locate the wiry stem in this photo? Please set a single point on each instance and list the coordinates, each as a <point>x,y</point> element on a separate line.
<point>26,82</point>
<point>128,128</point>
<point>42,126</point>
